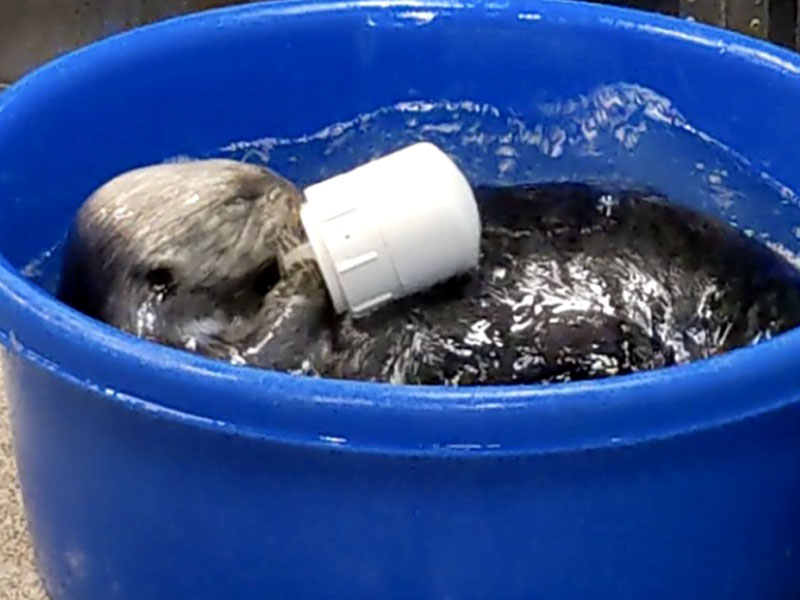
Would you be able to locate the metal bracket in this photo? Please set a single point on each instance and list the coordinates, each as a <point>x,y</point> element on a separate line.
<point>747,16</point>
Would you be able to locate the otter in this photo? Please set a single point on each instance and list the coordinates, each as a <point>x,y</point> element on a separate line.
<point>576,281</point>
<point>190,255</point>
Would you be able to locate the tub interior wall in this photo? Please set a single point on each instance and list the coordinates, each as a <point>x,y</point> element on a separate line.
<point>606,99</point>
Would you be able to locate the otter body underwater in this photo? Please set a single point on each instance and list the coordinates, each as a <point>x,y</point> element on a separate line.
<point>574,282</point>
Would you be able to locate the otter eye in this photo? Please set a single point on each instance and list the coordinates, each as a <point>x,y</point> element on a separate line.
<point>243,196</point>
<point>251,192</point>
<point>160,277</point>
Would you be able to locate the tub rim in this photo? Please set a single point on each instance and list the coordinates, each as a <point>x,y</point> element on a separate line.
<point>431,419</point>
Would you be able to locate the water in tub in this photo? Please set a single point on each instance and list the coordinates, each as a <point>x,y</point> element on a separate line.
<point>592,263</point>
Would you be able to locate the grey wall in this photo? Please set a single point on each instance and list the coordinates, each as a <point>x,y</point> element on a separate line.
<point>34,31</point>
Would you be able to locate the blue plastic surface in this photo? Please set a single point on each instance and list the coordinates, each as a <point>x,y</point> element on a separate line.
<point>149,473</point>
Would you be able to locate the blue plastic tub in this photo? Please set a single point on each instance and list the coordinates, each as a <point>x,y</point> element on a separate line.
<point>149,473</point>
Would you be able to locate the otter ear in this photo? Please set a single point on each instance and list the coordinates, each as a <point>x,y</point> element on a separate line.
<point>158,280</point>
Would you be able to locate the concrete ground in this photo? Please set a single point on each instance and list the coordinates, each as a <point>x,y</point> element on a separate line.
<point>18,578</point>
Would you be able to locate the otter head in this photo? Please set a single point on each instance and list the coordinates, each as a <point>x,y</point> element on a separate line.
<point>195,240</point>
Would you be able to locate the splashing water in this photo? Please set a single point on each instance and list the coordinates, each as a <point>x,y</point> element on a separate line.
<point>619,133</point>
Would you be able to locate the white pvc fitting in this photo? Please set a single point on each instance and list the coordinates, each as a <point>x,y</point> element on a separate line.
<point>392,227</point>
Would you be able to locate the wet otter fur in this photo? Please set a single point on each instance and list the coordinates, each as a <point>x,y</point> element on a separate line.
<point>575,282</point>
